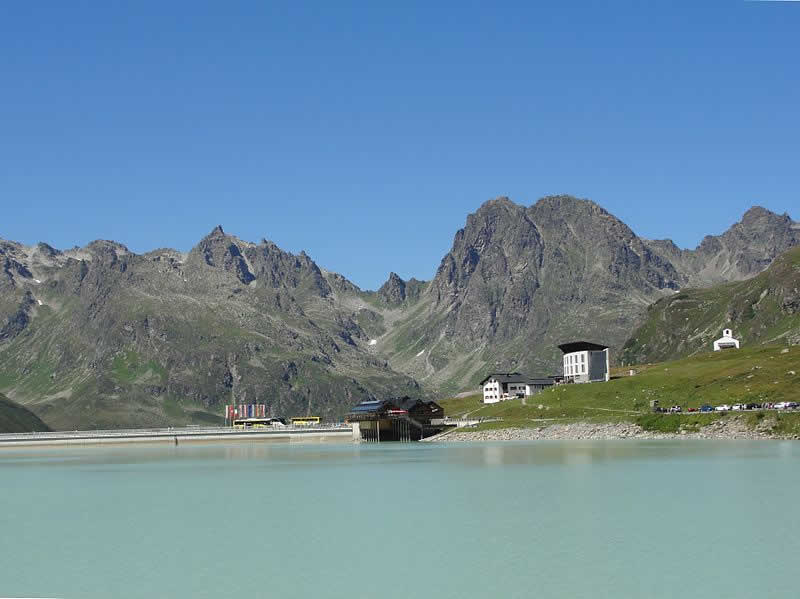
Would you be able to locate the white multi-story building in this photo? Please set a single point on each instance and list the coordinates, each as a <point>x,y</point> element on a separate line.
<point>511,385</point>
<point>585,362</point>
<point>726,341</point>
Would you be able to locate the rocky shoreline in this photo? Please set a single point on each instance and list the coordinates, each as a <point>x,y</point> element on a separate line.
<point>731,428</point>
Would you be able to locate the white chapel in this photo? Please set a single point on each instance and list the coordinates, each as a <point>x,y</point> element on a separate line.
<point>726,341</point>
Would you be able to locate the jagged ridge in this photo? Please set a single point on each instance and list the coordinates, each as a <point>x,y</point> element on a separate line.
<point>100,336</point>
<point>110,338</point>
<point>763,309</point>
<point>519,280</point>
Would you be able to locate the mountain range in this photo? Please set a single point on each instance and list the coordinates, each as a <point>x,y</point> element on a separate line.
<point>99,336</point>
<point>762,309</point>
<point>520,280</point>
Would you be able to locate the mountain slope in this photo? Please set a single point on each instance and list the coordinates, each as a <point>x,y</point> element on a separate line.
<point>744,250</point>
<point>763,309</point>
<point>102,337</point>
<point>16,419</point>
<point>520,280</point>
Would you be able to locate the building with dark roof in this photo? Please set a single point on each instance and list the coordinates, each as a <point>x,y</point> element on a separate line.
<point>399,419</point>
<point>585,362</point>
<point>511,385</point>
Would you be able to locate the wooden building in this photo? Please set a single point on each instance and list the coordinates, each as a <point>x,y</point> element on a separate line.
<point>401,419</point>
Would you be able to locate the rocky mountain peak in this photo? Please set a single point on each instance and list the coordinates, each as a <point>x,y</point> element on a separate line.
<point>220,250</point>
<point>393,291</point>
<point>279,269</point>
<point>517,279</point>
<point>493,209</point>
<point>745,249</point>
<point>756,214</point>
<point>136,330</point>
<point>490,216</point>
<point>233,318</point>
<point>105,247</point>
<point>498,203</point>
<point>47,250</point>
<point>497,235</point>
<point>759,220</point>
<point>568,203</point>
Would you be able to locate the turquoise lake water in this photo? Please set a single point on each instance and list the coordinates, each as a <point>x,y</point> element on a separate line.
<point>541,519</point>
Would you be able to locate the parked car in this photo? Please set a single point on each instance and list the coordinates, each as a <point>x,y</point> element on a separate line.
<point>753,406</point>
<point>706,408</point>
<point>722,408</point>
<point>781,405</point>
<point>792,404</point>
<point>738,406</point>
<point>691,410</point>
<point>675,409</point>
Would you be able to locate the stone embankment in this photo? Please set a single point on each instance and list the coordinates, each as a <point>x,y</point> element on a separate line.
<point>732,428</point>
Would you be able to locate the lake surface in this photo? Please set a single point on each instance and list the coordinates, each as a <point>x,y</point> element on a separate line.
<point>539,519</point>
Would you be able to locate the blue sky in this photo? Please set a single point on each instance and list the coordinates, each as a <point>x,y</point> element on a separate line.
<point>364,133</point>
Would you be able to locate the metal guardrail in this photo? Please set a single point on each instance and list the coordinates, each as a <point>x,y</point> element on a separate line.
<point>167,432</point>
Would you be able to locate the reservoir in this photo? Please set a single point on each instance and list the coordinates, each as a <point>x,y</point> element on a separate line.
<point>623,519</point>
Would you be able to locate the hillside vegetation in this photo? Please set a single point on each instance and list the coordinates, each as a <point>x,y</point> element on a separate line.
<point>519,280</point>
<point>16,419</point>
<point>756,374</point>
<point>762,309</point>
<point>102,337</point>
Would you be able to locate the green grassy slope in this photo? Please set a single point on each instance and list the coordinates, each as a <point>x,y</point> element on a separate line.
<point>16,419</point>
<point>764,309</point>
<point>756,374</point>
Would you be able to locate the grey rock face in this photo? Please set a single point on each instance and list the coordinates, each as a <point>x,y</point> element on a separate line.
<point>166,338</point>
<point>100,336</point>
<point>220,250</point>
<point>759,310</point>
<point>15,323</point>
<point>743,251</point>
<point>790,304</point>
<point>393,291</point>
<point>11,263</point>
<point>519,280</point>
<point>397,292</point>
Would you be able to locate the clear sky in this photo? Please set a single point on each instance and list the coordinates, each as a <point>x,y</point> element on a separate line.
<point>364,133</point>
